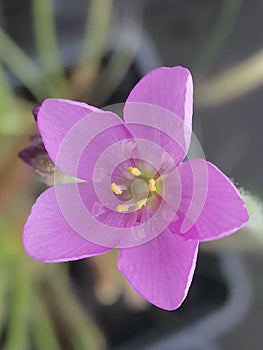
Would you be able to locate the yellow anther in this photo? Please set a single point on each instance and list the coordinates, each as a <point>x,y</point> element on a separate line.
<point>122,208</point>
<point>141,203</point>
<point>116,189</point>
<point>152,185</point>
<point>134,171</point>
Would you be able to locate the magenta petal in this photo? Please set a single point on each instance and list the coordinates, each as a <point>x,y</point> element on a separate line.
<point>100,144</point>
<point>169,88</point>
<point>56,117</point>
<point>103,214</point>
<point>115,145</point>
<point>88,217</point>
<point>66,128</point>
<point>211,206</point>
<point>161,270</point>
<point>49,238</point>
<point>173,145</point>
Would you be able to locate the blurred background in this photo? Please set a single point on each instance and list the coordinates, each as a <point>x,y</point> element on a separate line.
<point>95,51</point>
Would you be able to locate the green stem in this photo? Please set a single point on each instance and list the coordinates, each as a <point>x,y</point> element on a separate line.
<point>4,287</point>
<point>14,115</point>
<point>20,305</point>
<point>42,328</point>
<point>23,67</point>
<point>94,42</point>
<point>47,46</point>
<point>233,82</point>
<point>85,335</point>
<point>96,32</point>
<point>218,35</point>
<point>120,61</point>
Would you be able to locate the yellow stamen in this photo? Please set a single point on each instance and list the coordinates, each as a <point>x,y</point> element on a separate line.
<point>152,185</point>
<point>134,171</point>
<point>141,203</point>
<point>116,189</point>
<point>122,208</point>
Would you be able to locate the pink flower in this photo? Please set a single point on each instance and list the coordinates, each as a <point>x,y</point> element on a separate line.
<point>137,194</point>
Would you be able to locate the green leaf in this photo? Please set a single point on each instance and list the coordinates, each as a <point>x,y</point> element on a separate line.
<point>15,116</point>
<point>42,327</point>
<point>19,311</point>
<point>93,47</point>
<point>121,58</point>
<point>232,83</point>
<point>217,37</point>
<point>84,334</point>
<point>44,29</point>
<point>4,287</point>
<point>24,68</point>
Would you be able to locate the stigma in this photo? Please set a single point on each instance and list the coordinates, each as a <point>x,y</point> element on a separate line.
<point>137,191</point>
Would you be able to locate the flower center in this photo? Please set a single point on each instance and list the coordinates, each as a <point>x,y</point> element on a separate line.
<point>139,191</point>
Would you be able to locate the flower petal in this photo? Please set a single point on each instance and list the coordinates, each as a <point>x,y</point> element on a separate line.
<point>211,206</point>
<point>161,270</point>
<point>76,209</point>
<point>173,145</point>
<point>49,238</point>
<point>100,144</point>
<point>171,89</point>
<point>127,141</point>
<point>66,130</point>
<point>95,218</point>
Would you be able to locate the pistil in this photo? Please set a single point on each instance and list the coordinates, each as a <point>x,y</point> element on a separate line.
<point>140,189</point>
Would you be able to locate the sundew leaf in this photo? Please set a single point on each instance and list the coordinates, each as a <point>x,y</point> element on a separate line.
<point>6,96</point>
<point>5,277</point>
<point>19,311</point>
<point>14,123</point>
<point>42,327</point>
<point>44,29</point>
<point>99,15</point>
<point>93,47</point>
<point>83,332</point>
<point>122,57</point>
<point>217,37</point>
<point>22,66</point>
<point>232,83</point>
<point>13,113</point>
